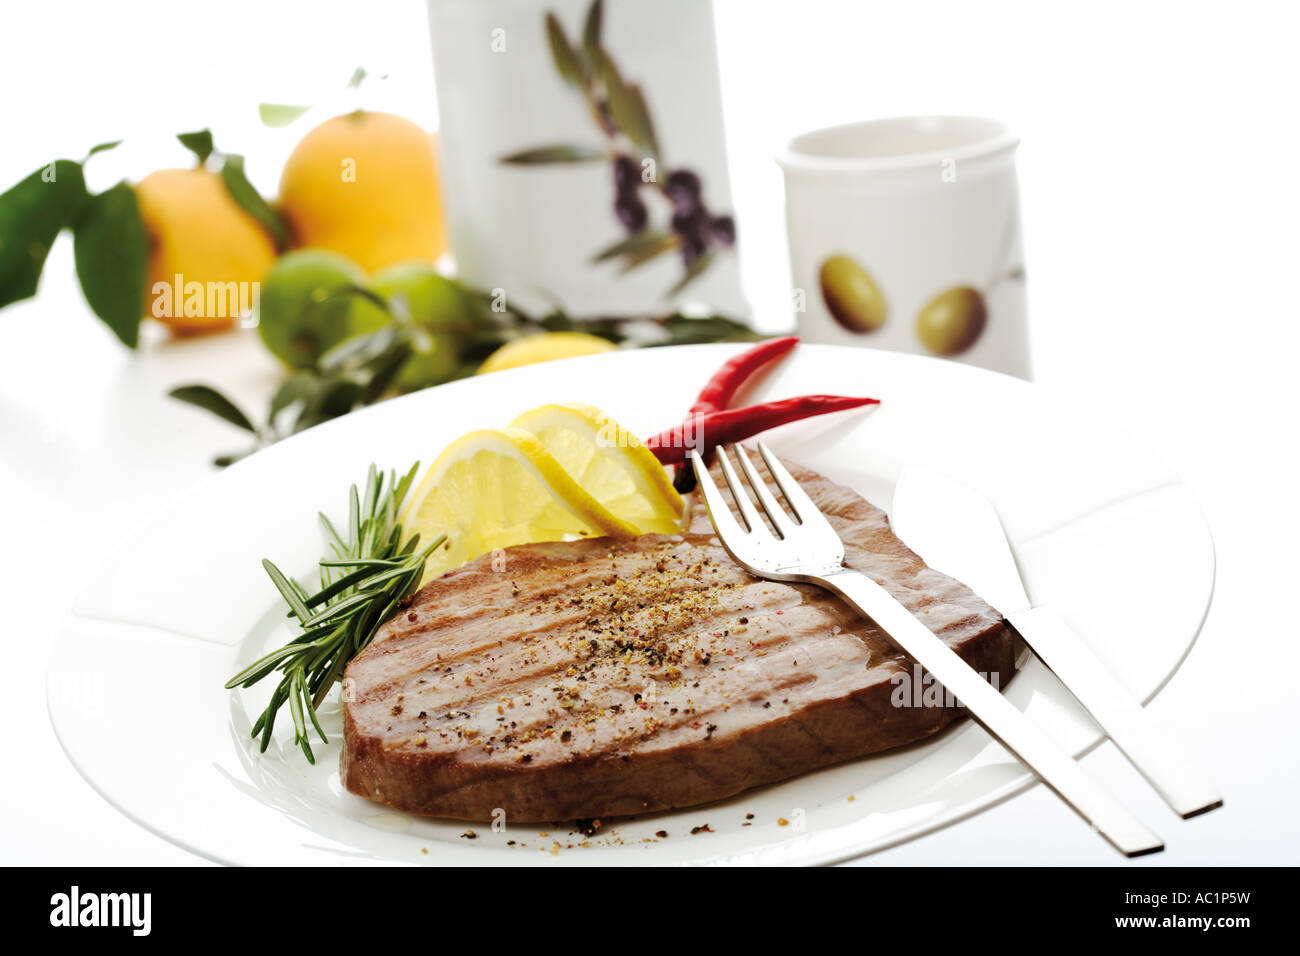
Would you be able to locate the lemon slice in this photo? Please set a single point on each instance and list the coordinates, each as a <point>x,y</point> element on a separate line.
<point>609,462</point>
<point>500,487</point>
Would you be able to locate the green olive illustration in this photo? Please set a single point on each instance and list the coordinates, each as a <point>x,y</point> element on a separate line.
<point>953,320</point>
<point>851,295</point>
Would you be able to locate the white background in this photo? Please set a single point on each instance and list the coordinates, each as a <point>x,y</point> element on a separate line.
<point>1159,170</point>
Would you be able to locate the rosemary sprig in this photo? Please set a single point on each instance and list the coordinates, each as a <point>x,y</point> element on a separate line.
<point>368,571</point>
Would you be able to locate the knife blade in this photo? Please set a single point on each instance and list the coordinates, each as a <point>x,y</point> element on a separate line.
<point>957,530</point>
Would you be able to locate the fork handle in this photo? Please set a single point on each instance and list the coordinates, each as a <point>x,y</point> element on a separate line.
<point>996,714</point>
<point>1148,747</point>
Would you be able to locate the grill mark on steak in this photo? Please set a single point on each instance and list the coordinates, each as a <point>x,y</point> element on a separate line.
<point>598,678</point>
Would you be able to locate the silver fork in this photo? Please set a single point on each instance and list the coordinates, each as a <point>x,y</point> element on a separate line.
<point>806,548</point>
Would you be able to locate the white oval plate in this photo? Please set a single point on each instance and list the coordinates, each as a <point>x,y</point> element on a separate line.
<point>1105,533</point>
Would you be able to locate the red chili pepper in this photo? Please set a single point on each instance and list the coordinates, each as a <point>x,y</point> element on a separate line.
<point>722,387</point>
<point>727,380</point>
<point>706,430</point>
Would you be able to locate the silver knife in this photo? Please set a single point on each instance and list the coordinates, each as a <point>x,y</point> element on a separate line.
<point>956,530</point>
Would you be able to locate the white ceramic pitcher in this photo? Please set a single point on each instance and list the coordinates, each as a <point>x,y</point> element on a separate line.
<point>521,76</point>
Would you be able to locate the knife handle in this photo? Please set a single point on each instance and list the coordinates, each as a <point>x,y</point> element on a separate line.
<point>996,714</point>
<point>1141,739</point>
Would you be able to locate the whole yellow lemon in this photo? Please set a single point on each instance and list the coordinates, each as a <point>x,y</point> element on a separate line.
<point>365,184</point>
<point>206,254</point>
<point>544,347</point>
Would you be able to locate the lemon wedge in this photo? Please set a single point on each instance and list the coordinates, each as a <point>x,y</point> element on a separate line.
<point>500,487</point>
<point>544,347</point>
<point>609,462</point>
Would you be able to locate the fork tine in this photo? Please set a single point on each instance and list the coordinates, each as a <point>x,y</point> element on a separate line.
<point>723,520</point>
<point>739,494</point>
<point>800,503</point>
<point>775,513</point>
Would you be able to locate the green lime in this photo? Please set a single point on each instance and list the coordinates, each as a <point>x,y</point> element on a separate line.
<point>851,295</point>
<point>304,308</point>
<point>438,305</point>
<point>951,322</point>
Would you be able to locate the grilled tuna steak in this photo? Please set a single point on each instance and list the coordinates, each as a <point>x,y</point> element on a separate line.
<point>601,678</point>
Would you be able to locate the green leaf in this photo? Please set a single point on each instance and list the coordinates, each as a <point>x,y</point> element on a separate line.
<point>228,459</point>
<point>334,397</point>
<point>358,76</point>
<point>544,155</point>
<point>209,399</point>
<point>199,143</point>
<point>627,107</point>
<point>652,250</point>
<point>31,215</point>
<point>103,148</point>
<point>361,292</point>
<point>287,590</point>
<point>358,351</point>
<point>558,322</point>
<point>111,253</point>
<point>279,115</point>
<point>566,61</point>
<point>251,201</point>
<point>679,329</point>
<point>632,245</point>
<point>647,129</point>
<point>591,33</point>
<point>694,272</point>
<point>384,370</point>
<point>295,389</point>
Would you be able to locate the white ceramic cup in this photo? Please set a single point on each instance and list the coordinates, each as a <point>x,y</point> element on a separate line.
<point>905,235</point>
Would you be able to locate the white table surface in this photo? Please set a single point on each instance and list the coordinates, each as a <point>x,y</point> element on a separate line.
<point>1160,203</point>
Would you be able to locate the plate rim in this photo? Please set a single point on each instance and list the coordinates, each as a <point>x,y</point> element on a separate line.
<point>999,795</point>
